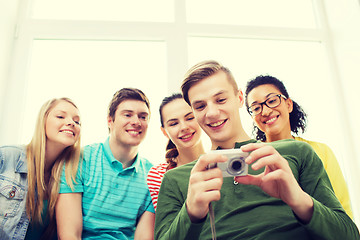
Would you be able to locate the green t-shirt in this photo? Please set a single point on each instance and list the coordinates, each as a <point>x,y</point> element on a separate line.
<point>246,212</point>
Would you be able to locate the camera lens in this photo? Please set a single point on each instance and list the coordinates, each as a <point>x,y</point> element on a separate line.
<point>236,165</point>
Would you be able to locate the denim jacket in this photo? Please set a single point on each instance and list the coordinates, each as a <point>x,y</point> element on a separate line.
<point>13,188</point>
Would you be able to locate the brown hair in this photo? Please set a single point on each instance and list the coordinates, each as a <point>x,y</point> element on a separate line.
<point>171,150</point>
<point>126,94</point>
<point>203,70</point>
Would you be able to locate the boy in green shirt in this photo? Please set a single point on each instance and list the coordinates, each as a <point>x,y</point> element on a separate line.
<point>286,195</point>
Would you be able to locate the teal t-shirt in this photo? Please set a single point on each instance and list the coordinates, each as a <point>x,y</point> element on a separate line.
<point>113,198</point>
<point>35,230</point>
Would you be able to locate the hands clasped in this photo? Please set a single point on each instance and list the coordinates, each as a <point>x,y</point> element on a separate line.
<point>277,180</point>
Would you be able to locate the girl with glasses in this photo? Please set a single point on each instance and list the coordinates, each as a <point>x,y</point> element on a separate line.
<point>276,116</point>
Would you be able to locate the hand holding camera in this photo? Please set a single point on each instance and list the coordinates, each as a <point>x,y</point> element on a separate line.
<point>235,165</point>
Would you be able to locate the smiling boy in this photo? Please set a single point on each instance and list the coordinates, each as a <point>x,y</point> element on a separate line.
<point>287,194</point>
<point>110,198</point>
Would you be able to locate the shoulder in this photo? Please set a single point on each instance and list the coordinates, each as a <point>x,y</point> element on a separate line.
<point>158,170</point>
<point>145,163</point>
<point>291,146</point>
<point>13,149</point>
<point>92,149</point>
<point>13,156</point>
<point>181,172</point>
<point>162,167</point>
<point>318,146</point>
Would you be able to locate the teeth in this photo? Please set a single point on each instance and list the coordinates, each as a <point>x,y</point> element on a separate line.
<point>186,136</point>
<point>67,131</point>
<point>134,132</point>
<point>271,120</point>
<point>216,124</point>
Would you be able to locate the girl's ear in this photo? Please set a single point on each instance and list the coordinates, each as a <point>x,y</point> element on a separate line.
<point>290,104</point>
<point>164,132</point>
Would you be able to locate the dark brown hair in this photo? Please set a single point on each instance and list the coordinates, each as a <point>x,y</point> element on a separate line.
<point>171,150</point>
<point>126,94</point>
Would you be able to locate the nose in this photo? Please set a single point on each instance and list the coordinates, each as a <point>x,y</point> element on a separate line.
<point>266,110</point>
<point>70,122</point>
<point>135,121</point>
<point>183,126</point>
<point>212,111</point>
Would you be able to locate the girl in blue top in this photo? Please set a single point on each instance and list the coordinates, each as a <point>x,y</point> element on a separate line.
<point>29,175</point>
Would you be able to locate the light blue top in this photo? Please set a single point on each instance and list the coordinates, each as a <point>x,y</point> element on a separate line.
<point>113,198</point>
<point>13,188</point>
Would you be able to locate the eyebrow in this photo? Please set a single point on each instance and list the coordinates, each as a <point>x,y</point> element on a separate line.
<point>175,119</point>
<point>267,96</point>
<point>189,113</point>
<point>64,112</point>
<point>215,95</point>
<point>131,111</point>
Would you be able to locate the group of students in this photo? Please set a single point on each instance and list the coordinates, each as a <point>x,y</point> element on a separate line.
<point>293,190</point>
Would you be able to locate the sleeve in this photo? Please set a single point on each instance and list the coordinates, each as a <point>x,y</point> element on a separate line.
<point>336,178</point>
<point>78,186</point>
<point>172,220</point>
<point>154,182</point>
<point>329,220</point>
<point>150,207</point>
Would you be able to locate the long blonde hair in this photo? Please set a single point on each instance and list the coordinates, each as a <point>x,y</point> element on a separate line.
<point>35,152</point>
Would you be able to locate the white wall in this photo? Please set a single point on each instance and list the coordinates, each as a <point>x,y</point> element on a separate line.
<point>8,18</point>
<point>344,28</point>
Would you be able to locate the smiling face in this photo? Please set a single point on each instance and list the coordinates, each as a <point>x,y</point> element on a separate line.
<point>274,122</point>
<point>180,124</point>
<point>216,108</point>
<point>62,126</point>
<point>130,123</point>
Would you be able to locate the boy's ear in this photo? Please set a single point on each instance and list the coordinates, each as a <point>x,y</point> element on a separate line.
<point>164,132</point>
<point>109,122</point>
<point>241,97</point>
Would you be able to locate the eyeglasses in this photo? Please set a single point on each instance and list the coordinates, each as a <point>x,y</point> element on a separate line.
<point>271,102</point>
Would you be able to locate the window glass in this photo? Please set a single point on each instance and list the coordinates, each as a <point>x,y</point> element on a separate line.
<point>109,10</point>
<point>275,13</point>
<point>90,72</point>
<point>302,67</point>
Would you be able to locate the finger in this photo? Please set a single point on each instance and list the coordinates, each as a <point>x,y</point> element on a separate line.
<point>204,176</point>
<point>252,146</point>
<point>261,152</point>
<point>206,159</point>
<point>249,179</point>
<point>270,161</point>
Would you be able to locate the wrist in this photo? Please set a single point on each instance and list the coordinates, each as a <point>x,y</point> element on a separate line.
<point>304,208</point>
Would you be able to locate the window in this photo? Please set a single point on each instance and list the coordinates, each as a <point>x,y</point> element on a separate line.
<point>90,72</point>
<point>87,50</point>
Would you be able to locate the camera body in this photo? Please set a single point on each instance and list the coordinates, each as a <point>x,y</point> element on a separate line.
<point>235,165</point>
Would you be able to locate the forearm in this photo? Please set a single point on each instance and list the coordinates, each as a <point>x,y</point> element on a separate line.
<point>327,223</point>
<point>145,227</point>
<point>69,216</point>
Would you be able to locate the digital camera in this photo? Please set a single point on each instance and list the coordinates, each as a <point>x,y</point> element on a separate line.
<point>235,165</point>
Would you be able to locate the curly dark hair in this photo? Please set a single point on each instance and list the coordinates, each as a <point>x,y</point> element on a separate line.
<point>298,117</point>
<point>171,150</point>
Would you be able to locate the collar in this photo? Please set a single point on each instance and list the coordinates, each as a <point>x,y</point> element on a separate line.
<point>116,163</point>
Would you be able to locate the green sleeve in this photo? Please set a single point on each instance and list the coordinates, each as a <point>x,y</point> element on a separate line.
<point>172,220</point>
<point>329,220</point>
